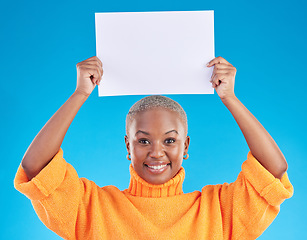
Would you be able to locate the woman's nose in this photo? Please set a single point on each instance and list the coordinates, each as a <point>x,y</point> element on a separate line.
<point>157,150</point>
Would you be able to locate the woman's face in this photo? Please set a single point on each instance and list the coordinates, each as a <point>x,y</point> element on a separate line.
<point>156,140</point>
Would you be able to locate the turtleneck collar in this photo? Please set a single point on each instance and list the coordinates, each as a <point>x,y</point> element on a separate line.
<point>139,187</point>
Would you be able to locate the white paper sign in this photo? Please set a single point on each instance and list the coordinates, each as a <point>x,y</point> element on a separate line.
<point>146,53</point>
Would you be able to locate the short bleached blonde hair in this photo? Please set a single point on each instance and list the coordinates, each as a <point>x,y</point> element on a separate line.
<point>156,101</point>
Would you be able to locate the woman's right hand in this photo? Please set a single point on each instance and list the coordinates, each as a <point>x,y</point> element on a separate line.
<point>89,73</point>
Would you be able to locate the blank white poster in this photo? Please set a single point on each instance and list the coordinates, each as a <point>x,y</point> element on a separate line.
<point>146,53</point>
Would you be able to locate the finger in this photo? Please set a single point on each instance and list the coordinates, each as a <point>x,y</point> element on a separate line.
<point>98,60</point>
<point>85,67</point>
<point>214,80</point>
<point>96,77</point>
<point>219,71</point>
<point>89,67</point>
<point>97,81</point>
<point>93,74</point>
<point>95,61</point>
<point>93,80</point>
<point>217,60</point>
<point>214,85</point>
<point>90,63</point>
<point>93,66</point>
<point>218,78</point>
<point>85,61</point>
<point>92,60</point>
<point>101,72</point>
<point>222,66</point>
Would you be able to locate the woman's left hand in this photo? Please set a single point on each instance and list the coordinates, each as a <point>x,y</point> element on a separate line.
<point>223,77</point>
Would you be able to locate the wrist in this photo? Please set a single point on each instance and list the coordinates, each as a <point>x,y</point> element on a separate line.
<point>229,99</point>
<point>81,95</point>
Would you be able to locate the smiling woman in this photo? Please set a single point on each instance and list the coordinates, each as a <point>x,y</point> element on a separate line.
<point>154,206</point>
<point>157,141</point>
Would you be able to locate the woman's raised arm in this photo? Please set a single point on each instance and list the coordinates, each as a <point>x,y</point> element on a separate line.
<point>48,141</point>
<point>260,143</point>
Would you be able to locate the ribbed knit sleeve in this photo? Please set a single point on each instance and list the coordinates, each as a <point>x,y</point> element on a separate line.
<point>45,182</point>
<point>272,189</point>
<point>251,203</point>
<point>56,193</point>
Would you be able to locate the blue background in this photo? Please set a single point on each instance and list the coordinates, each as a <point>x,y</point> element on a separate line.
<point>41,43</point>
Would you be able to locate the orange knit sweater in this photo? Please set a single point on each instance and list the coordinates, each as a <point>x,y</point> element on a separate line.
<point>76,208</point>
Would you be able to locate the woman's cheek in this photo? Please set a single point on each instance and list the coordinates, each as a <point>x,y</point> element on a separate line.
<point>139,152</point>
<point>176,153</point>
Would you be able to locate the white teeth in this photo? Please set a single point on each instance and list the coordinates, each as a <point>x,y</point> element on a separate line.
<point>157,167</point>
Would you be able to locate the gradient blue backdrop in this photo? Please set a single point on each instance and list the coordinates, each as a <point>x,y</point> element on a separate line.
<point>41,43</point>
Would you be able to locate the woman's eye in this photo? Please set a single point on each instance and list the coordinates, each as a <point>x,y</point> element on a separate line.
<point>170,140</point>
<point>143,141</point>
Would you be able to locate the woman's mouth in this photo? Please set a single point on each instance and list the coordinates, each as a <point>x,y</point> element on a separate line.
<point>157,168</point>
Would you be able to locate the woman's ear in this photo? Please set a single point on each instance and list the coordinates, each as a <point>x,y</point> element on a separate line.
<point>127,144</point>
<point>186,145</point>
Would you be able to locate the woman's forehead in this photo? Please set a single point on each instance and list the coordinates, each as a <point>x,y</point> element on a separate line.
<point>157,119</point>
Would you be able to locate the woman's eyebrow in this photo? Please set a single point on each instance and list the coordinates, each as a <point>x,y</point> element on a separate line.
<point>172,131</point>
<point>146,133</point>
<point>140,131</point>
